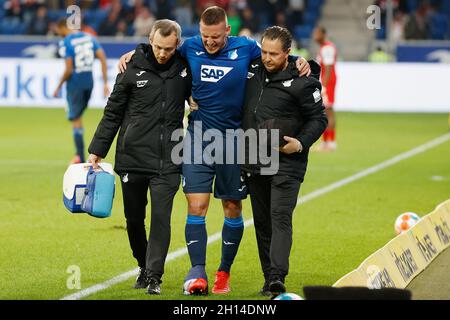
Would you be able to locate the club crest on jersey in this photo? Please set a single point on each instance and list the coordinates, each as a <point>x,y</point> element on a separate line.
<point>233,55</point>
<point>141,83</point>
<point>214,73</point>
<point>287,83</point>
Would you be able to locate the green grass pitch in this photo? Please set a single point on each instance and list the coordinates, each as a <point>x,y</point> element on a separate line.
<point>333,234</point>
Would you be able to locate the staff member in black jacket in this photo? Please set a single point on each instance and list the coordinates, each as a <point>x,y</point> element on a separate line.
<point>147,105</point>
<point>277,98</point>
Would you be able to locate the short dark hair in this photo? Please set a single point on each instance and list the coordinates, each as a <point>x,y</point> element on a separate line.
<point>213,15</point>
<point>322,29</point>
<point>278,33</point>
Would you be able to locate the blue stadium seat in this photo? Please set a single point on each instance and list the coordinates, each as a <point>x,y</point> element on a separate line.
<point>412,5</point>
<point>303,32</point>
<point>310,18</point>
<point>438,26</point>
<point>381,33</point>
<point>190,31</point>
<point>55,15</point>
<point>445,7</point>
<point>315,5</point>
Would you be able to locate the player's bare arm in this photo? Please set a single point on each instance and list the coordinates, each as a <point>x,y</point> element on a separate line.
<point>100,54</point>
<point>67,73</point>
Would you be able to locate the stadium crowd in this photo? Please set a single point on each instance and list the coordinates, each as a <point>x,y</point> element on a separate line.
<point>135,17</point>
<point>417,19</point>
<point>413,19</point>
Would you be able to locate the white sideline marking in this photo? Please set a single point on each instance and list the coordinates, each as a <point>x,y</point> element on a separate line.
<point>310,196</point>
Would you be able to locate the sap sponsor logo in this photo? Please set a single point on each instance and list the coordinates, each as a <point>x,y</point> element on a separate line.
<point>405,264</point>
<point>443,232</point>
<point>213,73</point>
<point>442,56</point>
<point>141,84</point>
<point>426,247</point>
<point>378,278</point>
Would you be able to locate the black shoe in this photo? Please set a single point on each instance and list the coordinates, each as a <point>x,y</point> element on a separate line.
<point>154,286</point>
<point>277,287</point>
<point>265,290</point>
<point>142,279</point>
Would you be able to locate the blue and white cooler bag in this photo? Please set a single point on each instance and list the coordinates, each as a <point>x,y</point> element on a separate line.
<point>86,190</point>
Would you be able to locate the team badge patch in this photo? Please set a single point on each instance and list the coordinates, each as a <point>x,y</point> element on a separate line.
<point>287,83</point>
<point>233,55</point>
<point>317,96</point>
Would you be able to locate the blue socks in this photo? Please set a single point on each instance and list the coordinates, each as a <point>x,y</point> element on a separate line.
<point>232,232</point>
<point>196,239</point>
<point>79,142</point>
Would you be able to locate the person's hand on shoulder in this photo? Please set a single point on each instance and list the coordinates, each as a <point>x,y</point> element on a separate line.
<point>124,60</point>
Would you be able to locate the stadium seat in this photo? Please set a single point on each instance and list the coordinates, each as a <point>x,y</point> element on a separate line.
<point>412,5</point>
<point>438,26</point>
<point>303,32</point>
<point>381,33</point>
<point>310,18</point>
<point>190,31</point>
<point>55,15</point>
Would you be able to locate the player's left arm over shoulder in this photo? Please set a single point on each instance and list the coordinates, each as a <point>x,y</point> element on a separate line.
<point>66,75</point>
<point>312,112</point>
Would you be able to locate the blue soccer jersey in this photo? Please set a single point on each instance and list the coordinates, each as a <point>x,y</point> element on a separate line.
<point>81,47</point>
<point>219,80</point>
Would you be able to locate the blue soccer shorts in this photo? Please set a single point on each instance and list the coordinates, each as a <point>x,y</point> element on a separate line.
<point>77,100</point>
<point>199,177</point>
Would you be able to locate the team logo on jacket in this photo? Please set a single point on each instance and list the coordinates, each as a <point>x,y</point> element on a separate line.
<point>287,83</point>
<point>250,75</point>
<point>214,73</point>
<point>141,83</point>
<point>317,96</point>
<point>233,55</point>
<point>183,73</point>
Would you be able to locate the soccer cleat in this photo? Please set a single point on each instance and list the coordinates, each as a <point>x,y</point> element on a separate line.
<point>142,279</point>
<point>276,287</point>
<point>75,160</point>
<point>196,287</point>
<point>265,290</point>
<point>221,283</point>
<point>154,286</point>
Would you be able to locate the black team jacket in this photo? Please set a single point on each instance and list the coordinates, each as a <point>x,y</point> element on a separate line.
<point>284,101</point>
<point>146,106</point>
